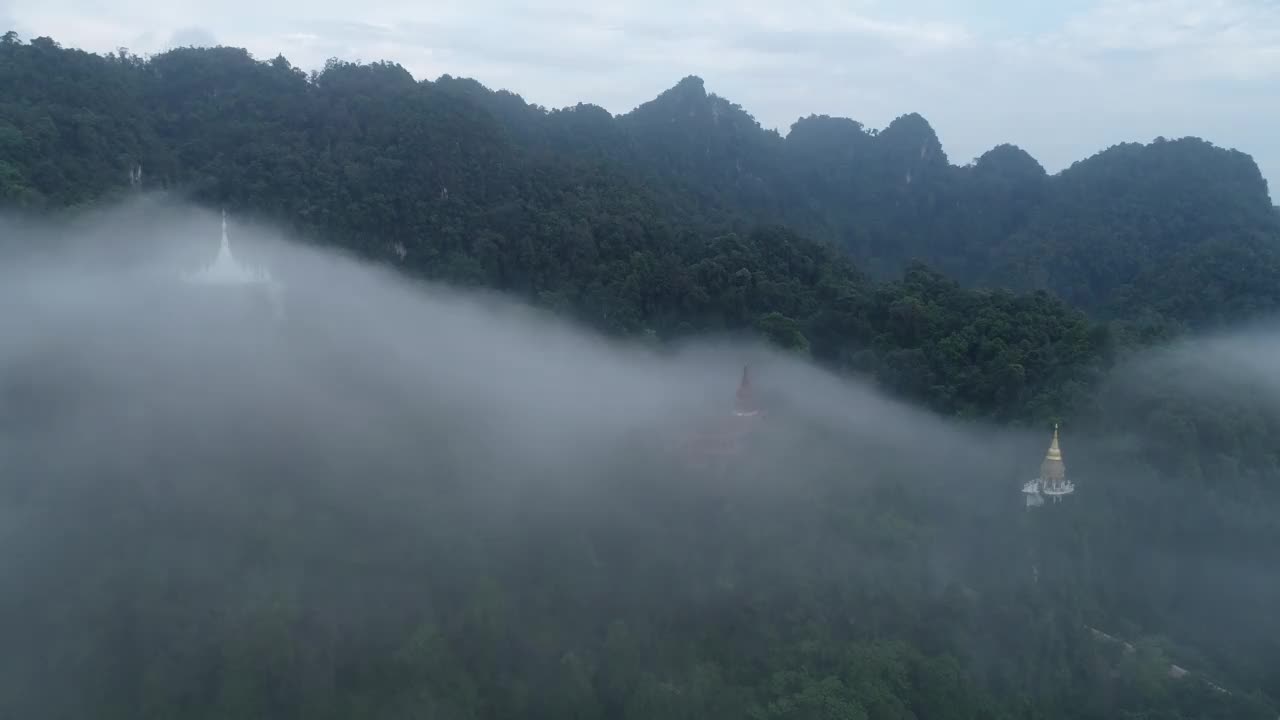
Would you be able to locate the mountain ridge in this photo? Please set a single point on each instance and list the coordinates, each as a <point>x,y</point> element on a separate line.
<point>900,177</point>
<point>887,197</point>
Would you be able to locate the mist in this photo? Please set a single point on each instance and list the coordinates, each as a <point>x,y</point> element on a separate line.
<point>366,365</point>
<point>361,452</point>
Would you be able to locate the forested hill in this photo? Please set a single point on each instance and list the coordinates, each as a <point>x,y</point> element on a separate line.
<point>230,582</point>
<point>474,183</point>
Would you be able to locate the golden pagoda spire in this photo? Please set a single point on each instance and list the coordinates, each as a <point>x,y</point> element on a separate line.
<point>1055,453</point>
<point>1052,471</point>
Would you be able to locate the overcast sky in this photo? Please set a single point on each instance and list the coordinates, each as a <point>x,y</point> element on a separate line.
<point>1061,78</point>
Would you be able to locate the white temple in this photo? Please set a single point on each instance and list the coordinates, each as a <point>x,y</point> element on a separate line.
<point>1053,480</point>
<point>226,270</point>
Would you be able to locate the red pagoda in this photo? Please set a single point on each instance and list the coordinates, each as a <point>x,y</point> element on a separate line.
<point>745,402</point>
<point>720,441</point>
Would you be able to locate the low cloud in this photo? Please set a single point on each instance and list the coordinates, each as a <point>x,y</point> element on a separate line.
<point>182,457</point>
<point>192,37</point>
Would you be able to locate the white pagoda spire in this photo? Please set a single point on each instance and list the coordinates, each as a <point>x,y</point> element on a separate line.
<point>226,270</point>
